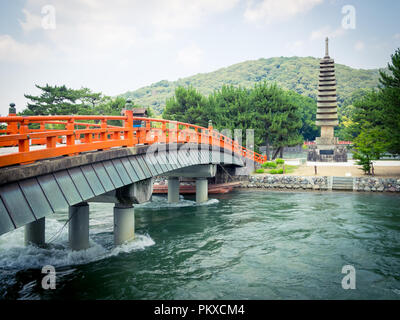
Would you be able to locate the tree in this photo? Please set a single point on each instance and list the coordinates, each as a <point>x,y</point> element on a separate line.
<point>188,105</point>
<point>60,100</point>
<point>381,109</point>
<point>277,120</point>
<point>369,145</point>
<point>390,96</point>
<point>229,108</point>
<point>307,108</point>
<point>269,110</point>
<point>391,80</point>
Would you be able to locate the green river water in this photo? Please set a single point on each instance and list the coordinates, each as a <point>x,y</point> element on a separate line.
<point>242,245</point>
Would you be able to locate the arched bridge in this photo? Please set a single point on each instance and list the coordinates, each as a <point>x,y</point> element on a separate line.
<point>49,163</point>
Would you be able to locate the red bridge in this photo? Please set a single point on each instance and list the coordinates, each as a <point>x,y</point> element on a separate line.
<point>50,163</point>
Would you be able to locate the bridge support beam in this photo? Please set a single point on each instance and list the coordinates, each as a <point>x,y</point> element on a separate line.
<point>124,223</point>
<point>201,190</point>
<point>173,190</point>
<point>79,226</point>
<point>35,233</point>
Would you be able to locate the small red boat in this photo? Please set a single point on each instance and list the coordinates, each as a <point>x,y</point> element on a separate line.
<point>191,189</point>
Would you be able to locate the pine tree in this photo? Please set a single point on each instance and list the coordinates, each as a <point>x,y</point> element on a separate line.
<point>381,109</point>
<point>60,100</point>
<point>277,120</point>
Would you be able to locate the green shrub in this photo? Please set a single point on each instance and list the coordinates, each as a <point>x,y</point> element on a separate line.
<point>273,171</point>
<point>269,165</point>
<point>280,161</point>
<point>260,171</point>
<point>279,171</point>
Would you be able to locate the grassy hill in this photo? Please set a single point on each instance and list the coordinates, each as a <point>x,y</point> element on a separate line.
<point>295,73</point>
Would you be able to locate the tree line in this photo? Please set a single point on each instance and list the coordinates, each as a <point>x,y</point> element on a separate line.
<point>279,118</point>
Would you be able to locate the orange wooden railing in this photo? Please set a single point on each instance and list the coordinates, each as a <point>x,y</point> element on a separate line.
<point>73,139</point>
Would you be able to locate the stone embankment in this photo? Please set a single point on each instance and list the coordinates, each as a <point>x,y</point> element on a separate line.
<point>363,184</point>
<point>287,182</point>
<point>377,184</point>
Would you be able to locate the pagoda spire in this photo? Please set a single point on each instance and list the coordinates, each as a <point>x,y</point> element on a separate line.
<point>327,117</point>
<point>327,47</point>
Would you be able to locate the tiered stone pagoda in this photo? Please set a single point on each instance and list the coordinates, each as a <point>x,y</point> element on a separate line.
<point>327,148</point>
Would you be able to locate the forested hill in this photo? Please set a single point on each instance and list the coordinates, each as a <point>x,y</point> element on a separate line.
<point>295,73</point>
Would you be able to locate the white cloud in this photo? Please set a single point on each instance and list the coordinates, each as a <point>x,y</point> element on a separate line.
<point>178,14</point>
<point>190,56</point>
<point>327,32</point>
<point>114,27</point>
<point>14,51</point>
<point>397,36</point>
<point>359,46</point>
<point>271,11</point>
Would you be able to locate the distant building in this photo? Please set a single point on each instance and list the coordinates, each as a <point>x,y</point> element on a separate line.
<point>139,112</point>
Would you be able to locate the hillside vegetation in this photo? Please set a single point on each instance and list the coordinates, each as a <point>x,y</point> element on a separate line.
<point>295,73</point>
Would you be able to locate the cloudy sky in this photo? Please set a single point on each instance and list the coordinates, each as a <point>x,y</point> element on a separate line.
<point>114,46</point>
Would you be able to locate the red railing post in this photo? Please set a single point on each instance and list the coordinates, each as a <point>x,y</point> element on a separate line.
<point>128,133</point>
<point>165,137</point>
<point>23,144</point>
<point>103,135</point>
<point>210,133</point>
<point>51,142</point>
<point>71,137</point>
<point>142,133</point>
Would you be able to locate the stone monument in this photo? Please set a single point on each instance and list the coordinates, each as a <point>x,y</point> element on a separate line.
<point>327,148</point>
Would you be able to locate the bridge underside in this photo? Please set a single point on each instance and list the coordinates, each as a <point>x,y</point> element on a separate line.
<point>29,193</point>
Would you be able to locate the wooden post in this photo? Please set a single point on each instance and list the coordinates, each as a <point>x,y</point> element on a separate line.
<point>210,133</point>
<point>23,145</point>
<point>128,134</point>
<point>71,137</point>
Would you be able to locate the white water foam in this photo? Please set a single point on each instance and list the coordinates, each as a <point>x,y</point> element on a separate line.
<point>14,255</point>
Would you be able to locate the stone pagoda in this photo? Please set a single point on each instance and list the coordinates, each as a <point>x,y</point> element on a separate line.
<point>327,148</point>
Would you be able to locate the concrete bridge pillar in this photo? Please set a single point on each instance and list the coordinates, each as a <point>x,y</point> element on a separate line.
<point>173,190</point>
<point>35,232</point>
<point>201,190</point>
<point>124,223</point>
<point>79,226</point>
